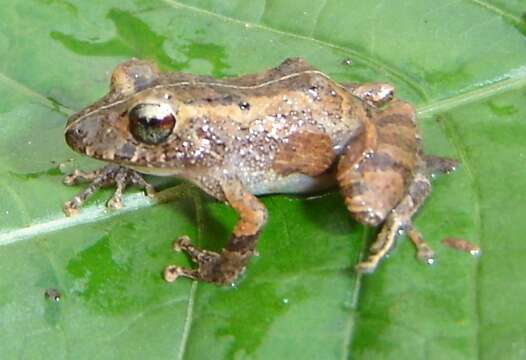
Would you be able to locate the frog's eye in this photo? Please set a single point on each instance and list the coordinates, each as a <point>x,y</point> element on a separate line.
<point>151,123</point>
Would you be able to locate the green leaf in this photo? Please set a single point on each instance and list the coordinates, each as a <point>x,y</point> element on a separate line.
<point>462,63</point>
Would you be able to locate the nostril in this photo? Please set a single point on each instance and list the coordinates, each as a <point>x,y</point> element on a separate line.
<point>74,137</point>
<point>79,132</point>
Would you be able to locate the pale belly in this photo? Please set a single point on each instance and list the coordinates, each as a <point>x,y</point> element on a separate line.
<point>291,184</point>
<point>294,184</point>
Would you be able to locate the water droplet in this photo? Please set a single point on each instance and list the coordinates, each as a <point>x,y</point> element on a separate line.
<point>313,92</point>
<point>368,154</point>
<point>430,261</point>
<point>52,295</point>
<point>285,301</point>
<point>475,252</point>
<point>244,105</point>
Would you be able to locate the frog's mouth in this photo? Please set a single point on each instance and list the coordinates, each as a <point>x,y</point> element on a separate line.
<point>98,136</point>
<point>156,171</point>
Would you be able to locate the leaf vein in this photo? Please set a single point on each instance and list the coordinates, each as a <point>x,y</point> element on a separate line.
<point>187,326</point>
<point>513,80</point>
<point>477,218</point>
<point>497,10</point>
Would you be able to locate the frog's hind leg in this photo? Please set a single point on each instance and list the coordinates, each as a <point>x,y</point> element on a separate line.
<point>387,185</point>
<point>106,176</point>
<point>225,267</point>
<point>398,220</point>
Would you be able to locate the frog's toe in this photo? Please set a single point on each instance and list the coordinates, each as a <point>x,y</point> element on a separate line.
<point>70,179</point>
<point>197,255</point>
<point>72,207</point>
<point>426,255</point>
<point>172,273</point>
<point>367,267</point>
<point>135,178</point>
<point>78,176</point>
<point>181,243</point>
<point>424,252</point>
<point>115,202</point>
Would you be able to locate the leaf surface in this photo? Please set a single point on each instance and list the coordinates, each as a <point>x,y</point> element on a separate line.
<point>462,63</point>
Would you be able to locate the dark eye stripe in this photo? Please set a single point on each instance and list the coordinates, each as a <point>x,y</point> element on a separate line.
<point>151,123</point>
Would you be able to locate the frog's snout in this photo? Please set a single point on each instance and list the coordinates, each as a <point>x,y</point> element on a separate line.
<point>74,137</point>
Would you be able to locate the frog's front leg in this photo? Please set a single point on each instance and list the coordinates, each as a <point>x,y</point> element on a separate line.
<point>104,177</point>
<point>225,267</point>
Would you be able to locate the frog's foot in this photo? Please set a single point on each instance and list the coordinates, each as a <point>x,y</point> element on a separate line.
<point>106,176</point>
<point>398,220</point>
<point>223,268</point>
<point>380,247</point>
<point>375,94</point>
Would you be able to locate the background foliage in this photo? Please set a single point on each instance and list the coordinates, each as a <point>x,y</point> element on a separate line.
<point>461,62</point>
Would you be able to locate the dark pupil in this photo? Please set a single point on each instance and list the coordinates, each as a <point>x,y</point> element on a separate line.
<point>151,123</point>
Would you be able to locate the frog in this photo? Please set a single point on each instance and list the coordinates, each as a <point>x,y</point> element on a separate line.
<point>290,129</point>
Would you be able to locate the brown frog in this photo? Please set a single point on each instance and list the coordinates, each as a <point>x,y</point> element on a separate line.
<point>290,129</point>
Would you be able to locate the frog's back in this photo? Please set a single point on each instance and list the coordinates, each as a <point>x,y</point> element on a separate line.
<point>293,94</point>
<point>277,131</point>
<point>285,127</point>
